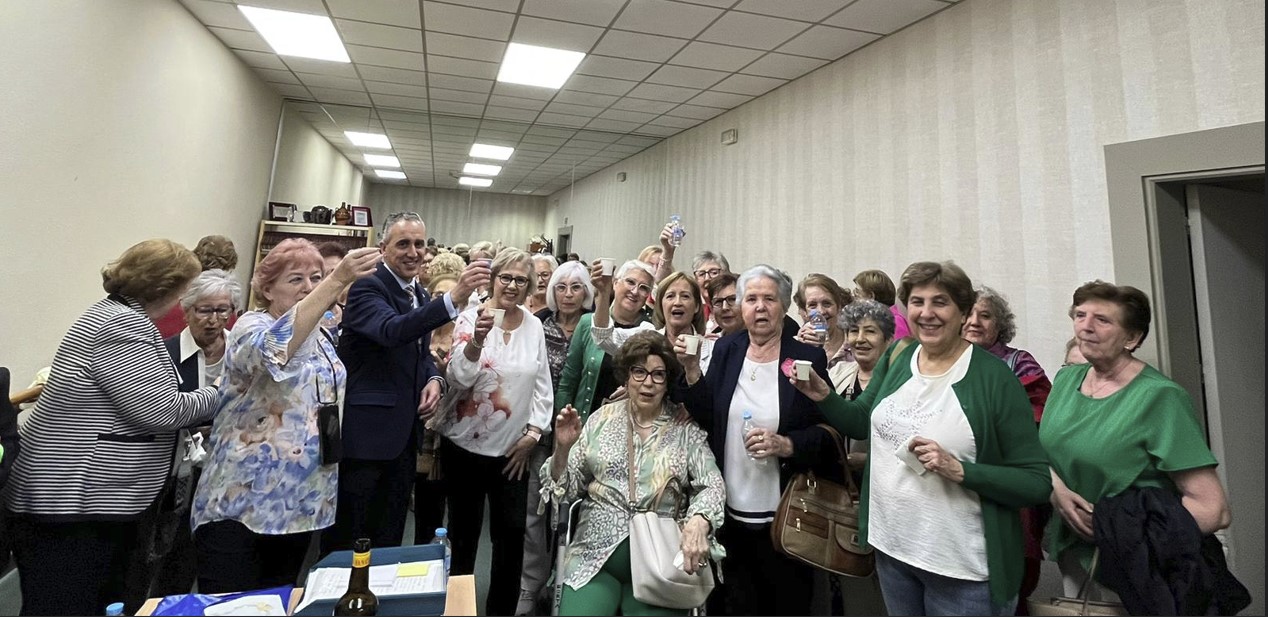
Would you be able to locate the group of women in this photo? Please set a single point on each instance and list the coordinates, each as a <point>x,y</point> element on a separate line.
<point>958,439</point>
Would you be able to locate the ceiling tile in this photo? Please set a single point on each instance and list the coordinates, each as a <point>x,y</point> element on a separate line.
<point>665,18</point>
<point>516,102</point>
<point>593,12</point>
<point>695,111</point>
<point>676,122</point>
<point>616,68</point>
<point>595,137</point>
<point>218,14</point>
<point>652,107</point>
<point>399,102</point>
<point>292,90</point>
<point>627,116</point>
<point>576,110</point>
<point>321,67</point>
<point>277,77</point>
<point>661,131</point>
<point>685,76</point>
<point>452,107</point>
<point>456,82</point>
<point>635,46</point>
<point>642,142</point>
<point>404,14</point>
<point>524,92</point>
<point>386,57</point>
<point>599,85</point>
<point>260,60</point>
<point>657,92</point>
<point>563,119</point>
<point>722,4</point>
<point>313,80</point>
<point>783,66</point>
<point>756,31</point>
<point>585,98</point>
<point>555,34</point>
<point>461,96</point>
<point>442,44</point>
<point>388,74</point>
<point>342,97</point>
<point>827,42</point>
<point>378,35</point>
<point>748,84</point>
<point>506,6</point>
<point>241,39</point>
<point>461,67</point>
<point>716,57</point>
<point>805,10</point>
<point>382,87</point>
<point>550,132</point>
<point>884,16</point>
<point>464,20</point>
<point>720,99</point>
<point>403,117</point>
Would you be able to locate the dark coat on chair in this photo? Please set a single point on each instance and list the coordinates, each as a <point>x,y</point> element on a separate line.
<point>385,345</point>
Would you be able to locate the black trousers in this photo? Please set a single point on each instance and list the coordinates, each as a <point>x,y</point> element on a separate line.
<point>429,508</point>
<point>759,580</point>
<point>233,558</point>
<point>470,478</point>
<point>373,501</point>
<point>77,568</point>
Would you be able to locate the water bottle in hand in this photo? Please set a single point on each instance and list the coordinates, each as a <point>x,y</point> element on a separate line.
<point>820,326</point>
<point>747,428</point>
<point>679,232</point>
<point>442,537</point>
<point>328,321</point>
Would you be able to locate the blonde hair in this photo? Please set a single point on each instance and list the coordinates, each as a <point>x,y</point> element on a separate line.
<point>151,270</point>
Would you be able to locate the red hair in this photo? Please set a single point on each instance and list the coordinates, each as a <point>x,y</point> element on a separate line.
<point>289,253</point>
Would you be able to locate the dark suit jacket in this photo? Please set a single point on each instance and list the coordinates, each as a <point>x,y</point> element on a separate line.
<point>709,401</point>
<point>385,346</point>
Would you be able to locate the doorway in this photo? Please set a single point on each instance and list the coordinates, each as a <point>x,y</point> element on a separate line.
<point>563,242</point>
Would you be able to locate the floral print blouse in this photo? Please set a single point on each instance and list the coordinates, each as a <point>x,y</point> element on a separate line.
<point>264,468</point>
<point>598,474</point>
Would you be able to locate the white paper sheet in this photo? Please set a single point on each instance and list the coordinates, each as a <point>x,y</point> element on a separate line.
<point>331,583</point>
<point>270,604</point>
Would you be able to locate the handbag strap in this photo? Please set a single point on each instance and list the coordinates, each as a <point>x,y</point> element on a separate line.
<point>633,473</point>
<point>842,457</point>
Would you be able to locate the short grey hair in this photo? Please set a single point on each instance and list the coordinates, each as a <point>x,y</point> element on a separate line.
<point>859,311</point>
<point>1005,320</point>
<point>393,219</point>
<point>706,256</point>
<point>781,279</point>
<point>550,259</point>
<point>634,263</point>
<point>568,271</point>
<point>212,283</point>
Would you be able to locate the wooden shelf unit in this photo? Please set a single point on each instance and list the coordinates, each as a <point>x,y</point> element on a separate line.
<point>273,232</point>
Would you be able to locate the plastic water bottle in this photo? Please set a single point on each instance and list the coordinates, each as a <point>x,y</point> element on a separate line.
<point>820,325</point>
<point>114,608</point>
<point>676,238</point>
<point>328,321</point>
<point>745,429</point>
<point>442,537</point>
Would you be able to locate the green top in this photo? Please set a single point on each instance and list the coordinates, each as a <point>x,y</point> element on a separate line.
<point>1011,471</point>
<point>581,370</point>
<point>1131,438</point>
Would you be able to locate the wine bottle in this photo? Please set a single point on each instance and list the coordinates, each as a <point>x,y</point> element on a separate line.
<point>359,600</point>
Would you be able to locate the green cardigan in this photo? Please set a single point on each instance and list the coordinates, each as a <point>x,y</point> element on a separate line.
<point>1011,471</point>
<point>581,370</point>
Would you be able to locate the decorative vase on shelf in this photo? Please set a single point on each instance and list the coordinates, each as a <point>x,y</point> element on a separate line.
<point>343,215</point>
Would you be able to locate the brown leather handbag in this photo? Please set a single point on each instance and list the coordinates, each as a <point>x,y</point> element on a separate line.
<point>817,521</point>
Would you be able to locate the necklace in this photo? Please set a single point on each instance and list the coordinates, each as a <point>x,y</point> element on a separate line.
<point>635,422</point>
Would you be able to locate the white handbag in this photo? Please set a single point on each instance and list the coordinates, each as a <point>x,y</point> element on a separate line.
<point>654,543</point>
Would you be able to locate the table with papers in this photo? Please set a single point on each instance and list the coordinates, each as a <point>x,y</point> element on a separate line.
<point>459,599</point>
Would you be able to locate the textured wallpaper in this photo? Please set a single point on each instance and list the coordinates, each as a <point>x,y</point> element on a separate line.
<point>976,135</point>
<point>462,216</point>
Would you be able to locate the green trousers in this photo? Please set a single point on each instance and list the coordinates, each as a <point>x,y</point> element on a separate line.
<point>609,590</point>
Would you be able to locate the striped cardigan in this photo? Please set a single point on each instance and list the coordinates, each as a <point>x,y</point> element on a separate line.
<point>99,442</point>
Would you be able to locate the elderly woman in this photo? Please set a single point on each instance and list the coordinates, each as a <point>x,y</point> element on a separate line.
<point>1073,355</point>
<point>679,312</point>
<point>593,463</point>
<point>199,355</point>
<point>429,486</point>
<point>545,266</point>
<point>98,446</point>
<point>744,377</point>
<point>819,292</point>
<point>724,318</point>
<point>501,399</point>
<point>270,480</point>
<point>1117,423</point>
<point>588,378</point>
<point>947,542</point>
<point>876,285</point>
<point>213,253</point>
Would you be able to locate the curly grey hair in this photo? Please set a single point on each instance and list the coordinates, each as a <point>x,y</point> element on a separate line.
<point>1005,320</point>
<point>706,256</point>
<point>210,283</point>
<point>858,311</point>
<point>781,279</point>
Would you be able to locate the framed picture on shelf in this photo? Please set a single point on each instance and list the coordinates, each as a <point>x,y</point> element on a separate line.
<point>280,211</point>
<point>361,216</point>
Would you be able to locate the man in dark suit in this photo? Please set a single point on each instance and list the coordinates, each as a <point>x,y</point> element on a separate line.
<point>392,381</point>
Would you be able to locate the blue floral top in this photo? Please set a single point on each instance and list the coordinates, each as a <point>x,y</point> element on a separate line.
<point>264,469</point>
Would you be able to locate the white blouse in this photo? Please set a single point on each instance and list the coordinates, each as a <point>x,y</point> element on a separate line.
<point>610,339</point>
<point>507,388</point>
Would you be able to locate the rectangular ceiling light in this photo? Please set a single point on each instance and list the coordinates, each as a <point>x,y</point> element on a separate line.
<point>381,160</point>
<point>481,182</point>
<point>531,65</point>
<point>368,140</point>
<point>485,151</point>
<point>297,34</point>
<point>389,174</point>
<point>480,169</point>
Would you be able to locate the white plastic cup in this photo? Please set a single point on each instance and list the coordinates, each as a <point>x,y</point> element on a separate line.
<point>498,316</point>
<point>608,265</point>
<point>692,342</point>
<point>802,369</point>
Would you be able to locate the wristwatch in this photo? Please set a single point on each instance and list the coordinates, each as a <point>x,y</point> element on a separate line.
<point>532,432</point>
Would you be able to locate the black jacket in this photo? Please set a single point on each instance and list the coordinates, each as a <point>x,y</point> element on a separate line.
<point>1157,560</point>
<point>8,428</point>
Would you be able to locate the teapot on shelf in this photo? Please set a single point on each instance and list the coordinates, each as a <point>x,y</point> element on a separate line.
<point>343,216</point>
<point>320,215</point>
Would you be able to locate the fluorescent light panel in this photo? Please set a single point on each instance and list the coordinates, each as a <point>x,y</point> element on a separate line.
<point>368,140</point>
<point>544,67</point>
<point>381,160</point>
<point>480,169</point>
<point>485,151</point>
<point>390,174</point>
<point>297,34</point>
<point>481,182</point>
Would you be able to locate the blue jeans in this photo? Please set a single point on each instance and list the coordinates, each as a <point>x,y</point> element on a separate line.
<point>909,590</point>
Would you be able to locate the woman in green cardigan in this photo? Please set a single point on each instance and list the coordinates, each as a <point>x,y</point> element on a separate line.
<point>947,542</point>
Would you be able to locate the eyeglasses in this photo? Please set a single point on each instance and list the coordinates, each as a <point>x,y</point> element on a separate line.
<point>576,288</point>
<point>708,274</point>
<point>643,289</point>
<point>508,280</point>
<point>718,303</point>
<point>641,374</point>
<point>206,312</point>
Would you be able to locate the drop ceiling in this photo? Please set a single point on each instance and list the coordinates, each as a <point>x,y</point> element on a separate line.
<point>423,72</point>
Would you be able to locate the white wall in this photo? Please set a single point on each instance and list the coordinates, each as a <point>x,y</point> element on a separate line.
<point>976,135</point>
<point>310,171</point>
<point>462,216</point>
<point>121,121</point>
